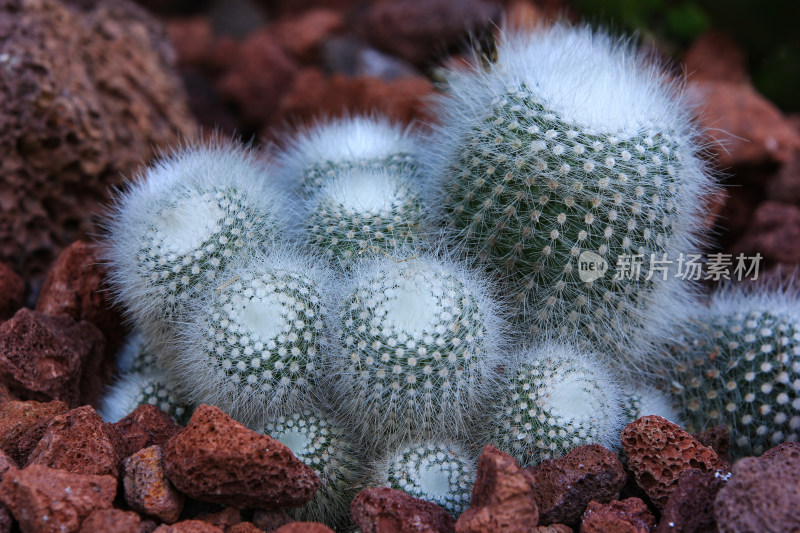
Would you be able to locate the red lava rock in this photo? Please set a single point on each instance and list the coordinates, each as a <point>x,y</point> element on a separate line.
<point>301,37</point>
<point>525,16</point>
<point>6,395</point>
<point>6,463</point>
<point>717,438</point>
<point>12,292</point>
<point>781,451</point>
<point>107,520</point>
<point>762,494</point>
<point>217,459</point>
<point>785,185</point>
<point>192,38</point>
<point>245,527</point>
<point>5,519</point>
<point>147,489</point>
<point>659,452</point>
<point>552,528</point>
<point>258,77</point>
<point>626,516</point>
<point>77,115</point>
<point>743,128</point>
<point>76,287</point>
<point>49,358</point>
<point>502,497</point>
<point>270,520</point>
<point>45,500</point>
<point>146,426</point>
<point>305,527</point>
<point>774,232</point>
<point>228,517</point>
<point>77,442</point>
<point>690,509</point>
<point>188,526</point>
<point>22,425</point>
<point>418,30</point>
<point>716,56</point>
<point>564,486</point>
<point>385,510</point>
<point>312,95</point>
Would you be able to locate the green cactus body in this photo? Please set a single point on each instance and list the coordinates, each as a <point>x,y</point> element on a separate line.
<point>420,349</point>
<point>645,401</point>
<point>317,440</point>
<point>155,391</point>
<point>441,473</point>
<point>555,400</point>
<point>134,389</point>
<point>317,175</point>
<point>740,366</point>
<point>362,214</point>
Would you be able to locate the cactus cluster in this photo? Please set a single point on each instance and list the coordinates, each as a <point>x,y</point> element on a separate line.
<point>739,365</point>
<point>569,152</point>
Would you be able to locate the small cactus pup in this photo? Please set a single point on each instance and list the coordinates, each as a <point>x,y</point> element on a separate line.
<point>136,388</point>
<point>361,213</point>
<point>646,400</point>
<point>138,354</point>
<point>250,345</point>
<point>422,342</point>
<point>176,226</point>
<point>740,366</point>
<point>365,143</point>
<point>556,398</point>
<point>569,167</point>
<point>439,472</point>
<point>319,440</point>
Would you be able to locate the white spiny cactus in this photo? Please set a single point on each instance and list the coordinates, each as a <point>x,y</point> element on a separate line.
<point>422,341</point>
<point>556,398</point>
<point>134,389</point>
<point>645,400</point>
<point>361,213</point>
<point>319,440</point>
<point>252,344</point>
<point>363,143</point>
<point>175,227</point>
<point>740,366</point>
<point>138,355</point>
<point>572,150</point>
<point>437,471</point>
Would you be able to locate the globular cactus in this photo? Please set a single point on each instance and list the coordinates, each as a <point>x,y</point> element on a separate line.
<point>422,341</point>
<point>362,213</point>
<point>138,354</point>
<point>740,366</point>
<point>436,471</point>
<point>646,400</point>
<point>135,388</point>
<point>319,440</point>
<point>180,223</point>
<point>355,143</point>
<point>562,162</point>
<point>556,398</point>
<point>251,345</point>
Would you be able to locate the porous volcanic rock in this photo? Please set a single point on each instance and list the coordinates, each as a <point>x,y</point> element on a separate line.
<point>690,508</point>
<point>146,426</point>
<point>717,438</point>
<point>49,500</point>
<point>502,497</point>
<point>12,291</point>
<point>270,519</point>
<point>304,527</point>
<point>50,358</point>
<point>147,489</point>
<point>108,520</point>
<point>188,526</point>
<point>87,92</point>
<point>564,486</point>
<point>302,36</point>
<point>217,459</point>
<point>659,452</point>
<point>716,56</point>
<point>773,232</point>
<point>626,516</point>
<point>245,527</point>
<point>22,425</point>
<point>385,510</point>
<point>224,519</point>
<point>76,441</point>
<point>762,494</point>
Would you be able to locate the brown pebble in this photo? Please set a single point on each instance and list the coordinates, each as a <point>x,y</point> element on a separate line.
<point>22,425</point>
<point>626,516</point>
<point>146,426</point>
<point>112,520</point>
<point>385,510</point>
<point>147,489</point>
<point>690,508</point>
<point>270,519</point>
<point>230,516</point>
<point>304,527</point>
<point>188,526</point>
<point>245,527</point>
<point>717,438</point>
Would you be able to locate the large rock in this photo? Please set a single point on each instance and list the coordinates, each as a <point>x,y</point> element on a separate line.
<point>147,489</point>
<point>502,497</point>
<point>217,459</point>
<point>49,500</point>
<point>50,358</point>
<point>690,508</point>
<point>626,516</point>
<point>385,510</point>
<point>87,93</point>
<point>146,426</point>
<point>22,425</point>
<point>659,452</point>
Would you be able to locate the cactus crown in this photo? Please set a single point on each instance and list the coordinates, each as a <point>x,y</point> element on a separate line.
<point>134,389</point>
<point>346,144</point>
<point>646,400</point>
<point>251,345</point>
<point>740,366</point>
<point>138,354</point>
<point>440,473</point>
<point>556,398</point>
<point>182,221</point>
<point>360,213</point>
<point>421,343</point>
<point>318,440</point>
<point>570,150</point>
